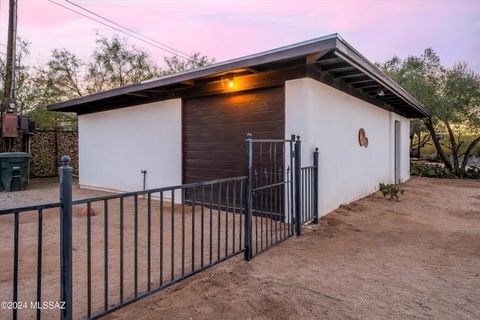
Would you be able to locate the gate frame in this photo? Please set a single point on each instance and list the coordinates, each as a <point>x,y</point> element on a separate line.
<point>294,206</point>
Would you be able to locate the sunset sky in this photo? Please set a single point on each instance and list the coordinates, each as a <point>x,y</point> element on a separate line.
<point>228,29</point>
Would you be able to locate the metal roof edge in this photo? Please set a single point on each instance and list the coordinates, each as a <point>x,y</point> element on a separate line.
<point>289,51</point>
<point>371,69</point>
<point>332,42</point>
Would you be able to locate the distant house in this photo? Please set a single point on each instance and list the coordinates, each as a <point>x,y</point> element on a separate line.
<point>191,126</point>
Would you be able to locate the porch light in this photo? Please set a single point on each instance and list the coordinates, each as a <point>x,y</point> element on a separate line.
<point>380,92</point>
<point>231,84</point>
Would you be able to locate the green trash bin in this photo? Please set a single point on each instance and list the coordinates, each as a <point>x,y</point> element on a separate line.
<point>13,171</point>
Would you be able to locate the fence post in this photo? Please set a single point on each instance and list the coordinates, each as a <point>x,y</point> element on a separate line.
<point>65,172</point>
<point>249,200</point>
<point>315,186</point>
<point>297,182</point>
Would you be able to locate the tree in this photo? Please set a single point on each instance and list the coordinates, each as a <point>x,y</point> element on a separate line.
<point>116,63</point>
<point>418,130</point>
<point>60,79</point>
<point>175,64</point>
<point>453,97</point>
<point>22,75</point>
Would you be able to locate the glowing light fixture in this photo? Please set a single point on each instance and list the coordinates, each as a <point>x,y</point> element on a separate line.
<point>231,84</point>
<point>380,92</point>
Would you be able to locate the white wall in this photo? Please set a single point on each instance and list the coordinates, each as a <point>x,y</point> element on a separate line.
<point>330,120</point>
<point>114,146</point>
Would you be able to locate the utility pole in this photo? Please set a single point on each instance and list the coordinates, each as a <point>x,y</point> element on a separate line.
<point>8,104</point>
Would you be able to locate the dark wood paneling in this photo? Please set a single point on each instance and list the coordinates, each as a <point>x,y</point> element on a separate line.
<point>214,130</point>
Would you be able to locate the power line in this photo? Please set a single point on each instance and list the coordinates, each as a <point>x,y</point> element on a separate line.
<point>117,29</point>
<point>129,30</point>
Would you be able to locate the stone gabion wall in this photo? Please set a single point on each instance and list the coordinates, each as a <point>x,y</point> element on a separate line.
<point>47,147</point>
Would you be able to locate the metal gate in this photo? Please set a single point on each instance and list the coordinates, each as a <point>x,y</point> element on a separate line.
<point>273,192</point>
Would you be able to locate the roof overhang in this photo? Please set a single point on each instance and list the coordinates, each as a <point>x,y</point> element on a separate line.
<point>329,59</point>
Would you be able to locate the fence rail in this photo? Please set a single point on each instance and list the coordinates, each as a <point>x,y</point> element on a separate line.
<point>119,248</point>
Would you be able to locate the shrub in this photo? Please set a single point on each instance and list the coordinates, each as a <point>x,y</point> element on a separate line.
<point>472,173</point>
<point>430,170</point>
<point>390,190</point>
<point>438,171</point>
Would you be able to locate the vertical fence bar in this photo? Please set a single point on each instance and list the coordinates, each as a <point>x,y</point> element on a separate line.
<point>315,186</point>
<point>270,203</point>
<point>172,235</point>
<point>260,203</point>
<point>297,181</point>
<point>310,200</point>
<point>210,224</point>
<point>234,212</point>
<point>66,238</point>
<point>161,238</point>
<point>202,234</point>
<point>241,214</point>
<point>39,261</point>
<point>219,205</point>
<point>249,198</point>
<point>286,229</point>
<point>309,194</point>
<point>275,180</point>
<point>149,241</point>
<point>183,232</point>
<point>89,260</point>
<point>121,250</point>
<point>303,194</point>
<point>135,245</point>
<point>15,263</point>
<point>226,217</point>
<point>291,230</point>
<point>105,254</point>
<point>193,230</point>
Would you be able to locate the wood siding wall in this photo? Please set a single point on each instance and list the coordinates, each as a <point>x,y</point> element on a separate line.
<point>214,130</point>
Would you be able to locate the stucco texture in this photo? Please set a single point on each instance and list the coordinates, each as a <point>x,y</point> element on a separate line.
<point>115,146</point>
<point>329,119</point>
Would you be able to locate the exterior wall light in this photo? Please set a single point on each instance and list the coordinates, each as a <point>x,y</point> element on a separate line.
<point>231,84</point>
<point>380,92</point>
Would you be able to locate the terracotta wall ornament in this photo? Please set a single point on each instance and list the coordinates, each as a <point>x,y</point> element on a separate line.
<point>362,138</point>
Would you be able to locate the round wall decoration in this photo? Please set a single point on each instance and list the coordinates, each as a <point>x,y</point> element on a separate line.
<point>362,138</point>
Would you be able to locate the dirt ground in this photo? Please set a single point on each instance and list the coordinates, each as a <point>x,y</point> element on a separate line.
<point>418,258</point>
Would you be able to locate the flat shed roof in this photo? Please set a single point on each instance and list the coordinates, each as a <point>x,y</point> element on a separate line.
<point>328,57</point>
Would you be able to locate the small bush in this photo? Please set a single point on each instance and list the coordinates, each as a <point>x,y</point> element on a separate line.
<point>390,190</point>
<point>430,170</point>
<point>438,171</point>
<point>472,173</point>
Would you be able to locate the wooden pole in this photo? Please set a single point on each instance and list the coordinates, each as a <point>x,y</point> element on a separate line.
<point>9,87</point>
<point>8,103</point>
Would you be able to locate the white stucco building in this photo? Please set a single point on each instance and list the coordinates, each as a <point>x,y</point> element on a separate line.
<point>191,126</point>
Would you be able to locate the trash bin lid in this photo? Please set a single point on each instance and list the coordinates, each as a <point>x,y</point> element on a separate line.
<point>14,155</point>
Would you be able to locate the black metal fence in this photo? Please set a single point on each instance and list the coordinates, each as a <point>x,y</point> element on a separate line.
<point>119,248</point>
<point>11,219</point>
<point>309,191</point>
<point>190,227</point>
